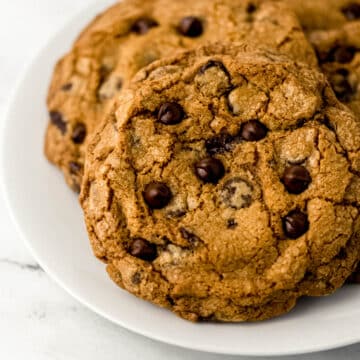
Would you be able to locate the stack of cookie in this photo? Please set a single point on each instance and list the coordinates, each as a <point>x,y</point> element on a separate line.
<point>218,169</point>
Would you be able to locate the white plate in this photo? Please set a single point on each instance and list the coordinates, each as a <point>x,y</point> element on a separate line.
<point>49,219</point>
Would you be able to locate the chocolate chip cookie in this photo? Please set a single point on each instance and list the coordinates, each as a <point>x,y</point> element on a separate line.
<point>339,56</point>
<point>225,185</point>
<point>333,28</point>
<point>335,38</point>
<point>134,33</point>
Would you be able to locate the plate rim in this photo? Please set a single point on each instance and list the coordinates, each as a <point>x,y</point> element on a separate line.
<point>4,188</point>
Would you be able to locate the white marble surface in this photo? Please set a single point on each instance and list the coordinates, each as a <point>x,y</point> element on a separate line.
<point>38,320</point>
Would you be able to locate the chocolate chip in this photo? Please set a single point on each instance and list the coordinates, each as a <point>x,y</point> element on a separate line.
<point>143,25</point>
<point>170,300</point>
<point>191,26</point>
<point>171,113</point>
<point>119,84</point>
<point>75,168</point>
<point>79,133</point>
<point>237,194</point>
<point>110,87</point>
<point>210,170</point>
<point>67,87</point>
<point>341,85</point>
<point>296,179</point>
<point>143,249</point>
<point>253,130</point>
<point>344,91</point>
<point>251,8</point>
<point>295,224</point>
<point>343,54</point>
<point>343,72</point>
<point>187,235</point>
<point>176,213</point>
<point>351,11</point>
<point>56,119</point>
<point>104,72</point>
<point>323,56</point>
<point>219,144</point>
<point>136,278</point>
<point>232,224</point>
<point>213,63</point>
<point>157,195</point>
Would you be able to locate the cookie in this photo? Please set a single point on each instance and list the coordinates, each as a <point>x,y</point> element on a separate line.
<point>335,38</point>
<point>134,33</point>
<point>339,56</point>
<point>225,185</point>
<point>325,14</point>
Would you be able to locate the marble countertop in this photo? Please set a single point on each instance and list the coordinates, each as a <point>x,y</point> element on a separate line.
<point>39,320</point>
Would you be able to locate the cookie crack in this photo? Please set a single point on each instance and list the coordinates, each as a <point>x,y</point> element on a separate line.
<point>267,209</point>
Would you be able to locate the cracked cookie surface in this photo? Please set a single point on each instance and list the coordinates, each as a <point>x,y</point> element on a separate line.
<point>225,186</point>
<point>132,34</point>
<point>339,57</point>
<point>336,40</point>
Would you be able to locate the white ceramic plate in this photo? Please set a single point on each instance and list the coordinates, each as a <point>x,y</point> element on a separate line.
<point>49,219</point>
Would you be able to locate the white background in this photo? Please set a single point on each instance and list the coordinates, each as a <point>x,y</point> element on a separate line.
<point>38,320</point>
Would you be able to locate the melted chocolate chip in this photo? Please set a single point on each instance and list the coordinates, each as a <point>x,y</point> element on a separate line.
<point>187,235</point>
<point>253,130</point>
<point>341,85</point>
<point>104,72</point>
<point>157,195</point>
<point>213,63</point>
<point>171,113</point>
<point>75,168</point>
<point>232,224</point>
<point>79,133</point>
<point>237,193</point>
<point>119,84</point>
<point>210,170</point>
<point>251,8</point>
<point>296,179</point>
<point>67,87</point>
<point>136,278</point>
<point>343,72</point>
<point>143,249</point>
<point>56,119</point>
<point>176,213</point>
<point>170,300</point>
<point>191,26</point>
<point>142,26</point>
<point>219,144</point>
<point>295,224</point>
<point>343,54</point>
<point>351,11</point>
<point>340,54</point>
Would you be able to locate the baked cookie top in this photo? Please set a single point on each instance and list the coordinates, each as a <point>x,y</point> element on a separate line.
<point>325,14</point>
<point>333,28</point>
<point>339,57</point>
<point>132,34</point>
<point>225,185</point>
